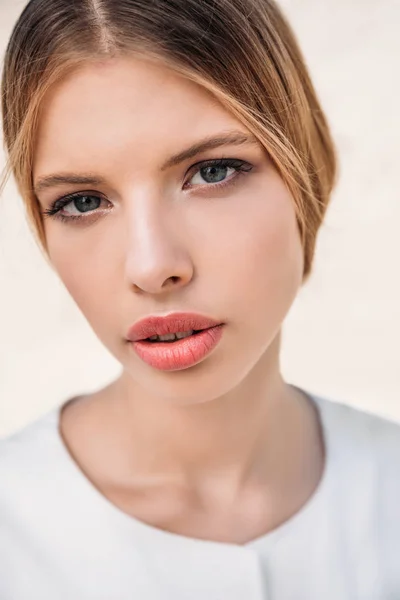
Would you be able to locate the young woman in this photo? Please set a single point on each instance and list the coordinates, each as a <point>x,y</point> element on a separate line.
<point>176,166</point>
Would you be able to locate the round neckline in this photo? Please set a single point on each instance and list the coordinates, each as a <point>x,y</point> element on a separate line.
<point>129,521</point>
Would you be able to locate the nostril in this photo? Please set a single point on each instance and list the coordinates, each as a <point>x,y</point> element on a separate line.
<point>171,281</point>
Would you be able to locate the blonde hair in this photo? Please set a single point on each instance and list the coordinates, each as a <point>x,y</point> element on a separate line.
<point>243,51</point>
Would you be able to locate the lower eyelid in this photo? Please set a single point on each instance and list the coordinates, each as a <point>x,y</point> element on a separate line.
<point>239,172</point>
<point>71,200</point>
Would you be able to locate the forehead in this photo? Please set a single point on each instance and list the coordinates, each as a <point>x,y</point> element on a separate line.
<point>125,104</point>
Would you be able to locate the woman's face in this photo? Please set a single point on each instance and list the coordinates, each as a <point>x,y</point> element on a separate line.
<point>144,235</point>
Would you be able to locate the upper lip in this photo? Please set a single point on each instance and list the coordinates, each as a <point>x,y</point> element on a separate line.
<point>173,323</point>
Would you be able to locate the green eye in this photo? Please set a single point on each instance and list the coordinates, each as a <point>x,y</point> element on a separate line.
<point>86,203</point>
<point>218,171</point>
<point>74,206</point>
<point>214,174</point>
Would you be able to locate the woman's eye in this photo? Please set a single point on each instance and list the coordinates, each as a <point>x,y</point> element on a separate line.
<point>214,173</point>
<point>82,204</point>
<point>74,206</point>
<point>218,172</point>
<point>211,174</point>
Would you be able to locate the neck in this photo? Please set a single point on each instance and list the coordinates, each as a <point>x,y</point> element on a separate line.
<point>237,436</point>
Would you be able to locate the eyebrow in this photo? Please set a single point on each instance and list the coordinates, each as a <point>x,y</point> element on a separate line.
<point>50,181</point>
<point>232,138</point>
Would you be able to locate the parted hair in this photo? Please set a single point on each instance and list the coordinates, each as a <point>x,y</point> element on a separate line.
<point>243,51</point>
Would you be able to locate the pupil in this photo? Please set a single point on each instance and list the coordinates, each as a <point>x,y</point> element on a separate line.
<point>87,203</point>
<point>213,174</point>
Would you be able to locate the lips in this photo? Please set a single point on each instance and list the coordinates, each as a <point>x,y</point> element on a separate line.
<point>174,323</point>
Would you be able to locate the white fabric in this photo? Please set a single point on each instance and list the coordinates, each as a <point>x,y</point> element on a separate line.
<point>61,539</point>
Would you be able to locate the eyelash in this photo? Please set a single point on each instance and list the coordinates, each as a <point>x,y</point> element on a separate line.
<point>241,167</point>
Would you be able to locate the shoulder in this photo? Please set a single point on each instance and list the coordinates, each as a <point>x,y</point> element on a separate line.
<point>361,511</point>
<point>31,437</point>
<point>26,457</point>
<point>364,449</point>
<point>354,427</point>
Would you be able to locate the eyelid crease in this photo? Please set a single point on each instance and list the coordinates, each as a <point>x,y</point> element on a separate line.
<point>60,203</point>
<point>239,165</point>
<point>218,162</point>
<point>229,138</point>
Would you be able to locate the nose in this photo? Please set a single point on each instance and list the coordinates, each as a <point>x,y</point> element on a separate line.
<point>157,254</point>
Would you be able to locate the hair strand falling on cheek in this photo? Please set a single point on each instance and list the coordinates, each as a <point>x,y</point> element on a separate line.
<point>262,80</point>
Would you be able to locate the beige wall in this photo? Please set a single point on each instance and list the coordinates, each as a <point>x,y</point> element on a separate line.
<point>342,336</point>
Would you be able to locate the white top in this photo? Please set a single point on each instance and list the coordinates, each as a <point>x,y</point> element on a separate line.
<point>60,538</point>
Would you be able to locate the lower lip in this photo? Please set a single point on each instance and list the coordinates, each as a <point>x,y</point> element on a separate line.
<point>184,353</point>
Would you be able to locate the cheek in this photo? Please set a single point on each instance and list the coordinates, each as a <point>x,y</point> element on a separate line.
<point>275,247</point>
<point>261,257</point>
<point>83,271</point>
<point>261,245</point>
<point>252,258</point>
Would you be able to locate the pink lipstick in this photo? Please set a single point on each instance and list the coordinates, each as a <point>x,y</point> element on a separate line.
<point>173,353</point>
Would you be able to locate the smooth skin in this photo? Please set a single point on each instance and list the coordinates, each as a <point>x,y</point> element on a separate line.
<point>225,450</point>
